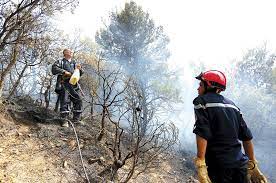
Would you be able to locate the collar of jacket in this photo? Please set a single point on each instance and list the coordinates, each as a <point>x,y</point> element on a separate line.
<point>70,60</point>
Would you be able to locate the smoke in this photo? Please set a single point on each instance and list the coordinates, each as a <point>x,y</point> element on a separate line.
<point>258,108</point>
<point>184,117</point>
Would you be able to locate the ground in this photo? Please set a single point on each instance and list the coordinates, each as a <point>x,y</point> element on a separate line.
<point>36,151</point>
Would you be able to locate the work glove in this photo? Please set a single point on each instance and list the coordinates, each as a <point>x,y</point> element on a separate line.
<point>202,172</point>
<point>254,174</point>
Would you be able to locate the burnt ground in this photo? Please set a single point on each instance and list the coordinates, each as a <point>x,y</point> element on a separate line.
<point>37,150</point>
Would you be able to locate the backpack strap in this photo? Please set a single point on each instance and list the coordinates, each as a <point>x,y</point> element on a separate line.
<point>60,64</point>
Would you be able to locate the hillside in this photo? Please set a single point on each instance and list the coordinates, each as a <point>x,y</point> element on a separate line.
<point>35,150</point>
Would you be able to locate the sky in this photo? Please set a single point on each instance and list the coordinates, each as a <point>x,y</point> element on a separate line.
<point>215,32</point>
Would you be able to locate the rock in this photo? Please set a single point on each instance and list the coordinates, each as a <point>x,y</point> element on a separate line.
<point>65,164</point>
<point>18,134</point>
<point>92,160</point>
<point>52,144</point>
<point>81,146</point>
<point>72,144</point>
<point>192,180</point>
<point>100,160</point>
<point>15,151</point>
<point>59,144</point>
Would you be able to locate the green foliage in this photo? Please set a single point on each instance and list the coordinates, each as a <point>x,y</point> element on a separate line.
<point>166,85</point>
<point>256,106</point>
<point>256,67</point>
<point>133,40</point>
<point>252,89</point>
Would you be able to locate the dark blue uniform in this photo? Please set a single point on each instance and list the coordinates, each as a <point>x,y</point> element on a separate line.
<point>220,122</point>
<point>67,91</point>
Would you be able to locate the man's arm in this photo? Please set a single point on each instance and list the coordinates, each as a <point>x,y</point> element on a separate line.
<point>56,68</point>
<point>203,133</point>
<point>249,149</point>
<point>201,147</point>
<point>200,160</point>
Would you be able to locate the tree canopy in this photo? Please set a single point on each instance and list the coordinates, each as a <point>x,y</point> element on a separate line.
<point>133,40</point>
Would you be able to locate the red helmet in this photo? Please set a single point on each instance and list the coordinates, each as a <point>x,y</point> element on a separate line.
<point>214,79</point>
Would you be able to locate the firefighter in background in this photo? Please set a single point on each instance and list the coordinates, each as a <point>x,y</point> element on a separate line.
<point>218,127</point>
<point>67,92</point>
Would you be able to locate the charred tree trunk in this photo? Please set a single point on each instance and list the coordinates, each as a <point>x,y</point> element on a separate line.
<point>47,97</point>
<point>14,87</point>
<point>110,171</point>
<point>135,156</point>
<point>144,112</point>
<point>102,132</point>
<point>8,68</point>
<point>92,106</point>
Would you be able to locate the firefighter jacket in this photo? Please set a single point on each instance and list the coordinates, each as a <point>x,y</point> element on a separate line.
<point>220,122</point>
<point>59,67</point>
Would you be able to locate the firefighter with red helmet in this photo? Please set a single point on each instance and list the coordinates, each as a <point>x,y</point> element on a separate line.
<point>219,128</point>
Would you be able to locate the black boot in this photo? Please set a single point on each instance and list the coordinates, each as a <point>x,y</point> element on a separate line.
<point>64,119</point>
<point>77,118</point>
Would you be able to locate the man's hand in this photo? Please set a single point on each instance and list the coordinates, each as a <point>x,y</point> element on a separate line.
<point>67,74</point>
<point>202,172</point>
<point>78,66</point>
<point>254,173</point>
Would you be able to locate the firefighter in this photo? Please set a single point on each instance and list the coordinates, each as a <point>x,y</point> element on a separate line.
<point>219,128</point>
<point>68,93</point>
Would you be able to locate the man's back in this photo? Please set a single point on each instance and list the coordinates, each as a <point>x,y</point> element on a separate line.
<point>219,121</point>
<point>218,127</point>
